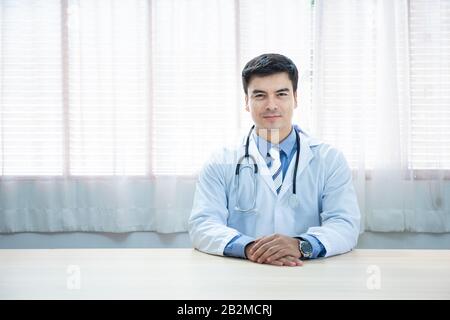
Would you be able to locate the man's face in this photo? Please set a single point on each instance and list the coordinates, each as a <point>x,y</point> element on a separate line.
<point>271,101</point>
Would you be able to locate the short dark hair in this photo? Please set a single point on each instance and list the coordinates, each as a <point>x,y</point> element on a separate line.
<point>268,64</point>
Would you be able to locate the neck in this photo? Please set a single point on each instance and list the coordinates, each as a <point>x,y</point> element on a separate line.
<point>274,136</point>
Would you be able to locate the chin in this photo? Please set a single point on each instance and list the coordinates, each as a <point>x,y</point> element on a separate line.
<point>273,125</point>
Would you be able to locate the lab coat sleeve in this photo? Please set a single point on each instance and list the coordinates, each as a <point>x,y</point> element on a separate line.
<point>340,215</point>
<point>208,220</point>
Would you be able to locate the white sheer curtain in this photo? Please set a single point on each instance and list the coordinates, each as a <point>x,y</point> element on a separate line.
<point>109,108</point>
<point>381,94</point>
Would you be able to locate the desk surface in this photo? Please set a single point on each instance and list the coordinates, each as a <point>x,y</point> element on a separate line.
<point>189,274</point>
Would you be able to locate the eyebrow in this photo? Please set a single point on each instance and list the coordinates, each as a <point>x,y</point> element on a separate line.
<point>278,91</point>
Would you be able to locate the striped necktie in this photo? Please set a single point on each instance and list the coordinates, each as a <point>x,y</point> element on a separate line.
<point>275,168</point>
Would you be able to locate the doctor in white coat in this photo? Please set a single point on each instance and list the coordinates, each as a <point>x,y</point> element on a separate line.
<point>291,197</point>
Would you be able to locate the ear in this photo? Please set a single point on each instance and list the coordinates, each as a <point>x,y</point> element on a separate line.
<point>295,99</point>
<point>246,104</point>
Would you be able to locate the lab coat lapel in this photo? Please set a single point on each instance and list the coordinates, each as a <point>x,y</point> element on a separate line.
<point>262,166</point>
<point>287,181</point>
<point>306,156</point>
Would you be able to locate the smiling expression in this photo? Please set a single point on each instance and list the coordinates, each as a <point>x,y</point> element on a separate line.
<point>271,101</point>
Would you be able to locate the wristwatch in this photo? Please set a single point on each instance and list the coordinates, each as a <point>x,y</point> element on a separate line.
<point>305,248</point>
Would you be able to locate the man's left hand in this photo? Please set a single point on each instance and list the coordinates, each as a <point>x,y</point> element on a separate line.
<point>271,248</point>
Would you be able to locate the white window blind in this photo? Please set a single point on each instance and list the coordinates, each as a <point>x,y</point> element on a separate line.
<point>272,26</point>
<point>106,87</point>
<point>429,29</point>
<point>194,83</point>
<point>344,77</point>
<point>31,117</point>
<point>347,49</point>
<point>197,91</point>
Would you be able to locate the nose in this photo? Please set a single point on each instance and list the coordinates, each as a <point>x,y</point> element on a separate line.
<point>271,103</point>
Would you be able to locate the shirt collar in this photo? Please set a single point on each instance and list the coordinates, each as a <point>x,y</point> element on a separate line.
<point>286,145</point>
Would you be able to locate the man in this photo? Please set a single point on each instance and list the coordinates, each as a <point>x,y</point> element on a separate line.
<point>251,210</point>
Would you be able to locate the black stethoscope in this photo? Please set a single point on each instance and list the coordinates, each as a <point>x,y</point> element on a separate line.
<point>293,199</point>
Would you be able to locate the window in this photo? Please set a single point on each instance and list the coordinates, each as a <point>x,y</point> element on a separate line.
<point>429,31</point>
<point>362,89</point>
<point>31,114</point>
<point>138,88</point>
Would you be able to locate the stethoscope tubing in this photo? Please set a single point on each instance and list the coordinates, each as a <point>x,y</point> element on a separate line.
<point>249,156</point>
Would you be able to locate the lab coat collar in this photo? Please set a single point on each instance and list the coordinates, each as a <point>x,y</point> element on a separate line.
<point>262,165</point>
<point>306,156</point>
<point>286,145</point>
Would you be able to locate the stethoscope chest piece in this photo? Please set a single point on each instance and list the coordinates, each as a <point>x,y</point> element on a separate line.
<point>293,201</point>
<point>247,162</point>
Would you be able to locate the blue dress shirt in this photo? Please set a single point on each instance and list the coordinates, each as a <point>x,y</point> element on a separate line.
<point>288,147</point>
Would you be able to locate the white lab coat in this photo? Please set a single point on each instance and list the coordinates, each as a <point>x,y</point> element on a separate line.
<point>327,208</point>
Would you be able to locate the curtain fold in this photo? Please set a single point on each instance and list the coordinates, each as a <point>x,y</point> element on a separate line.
<point>102,205</point>
<point>108,109</point>
<point>389,62</point>
<point>146,90</point>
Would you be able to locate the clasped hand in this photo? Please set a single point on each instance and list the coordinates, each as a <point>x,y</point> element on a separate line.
<point>275,249</point>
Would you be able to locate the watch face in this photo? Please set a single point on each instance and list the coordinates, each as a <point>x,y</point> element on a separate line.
<point>306,248</point>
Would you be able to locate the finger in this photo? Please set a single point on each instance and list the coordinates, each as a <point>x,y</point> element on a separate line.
<point>250,256</point>
<point>253,245</point>
<point>287,262</point>
<point>297,261</point>
<point>277,243</point>
<point>270,252</point>
<point>287,251</point>
<point>276,263</point>
<point>257,254</point>
<point>277,255</point>
<point>261,242</point>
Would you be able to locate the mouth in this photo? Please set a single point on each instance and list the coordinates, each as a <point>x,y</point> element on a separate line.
<point>271,116</point>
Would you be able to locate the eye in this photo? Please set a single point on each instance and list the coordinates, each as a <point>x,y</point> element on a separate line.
<point>259,96</point>
<point>282,94</point>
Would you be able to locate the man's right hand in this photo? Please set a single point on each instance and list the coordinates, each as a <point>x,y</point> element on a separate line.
<point>283,261</point>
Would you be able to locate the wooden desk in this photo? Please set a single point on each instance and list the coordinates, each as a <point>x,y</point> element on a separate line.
<point>189,274</point>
